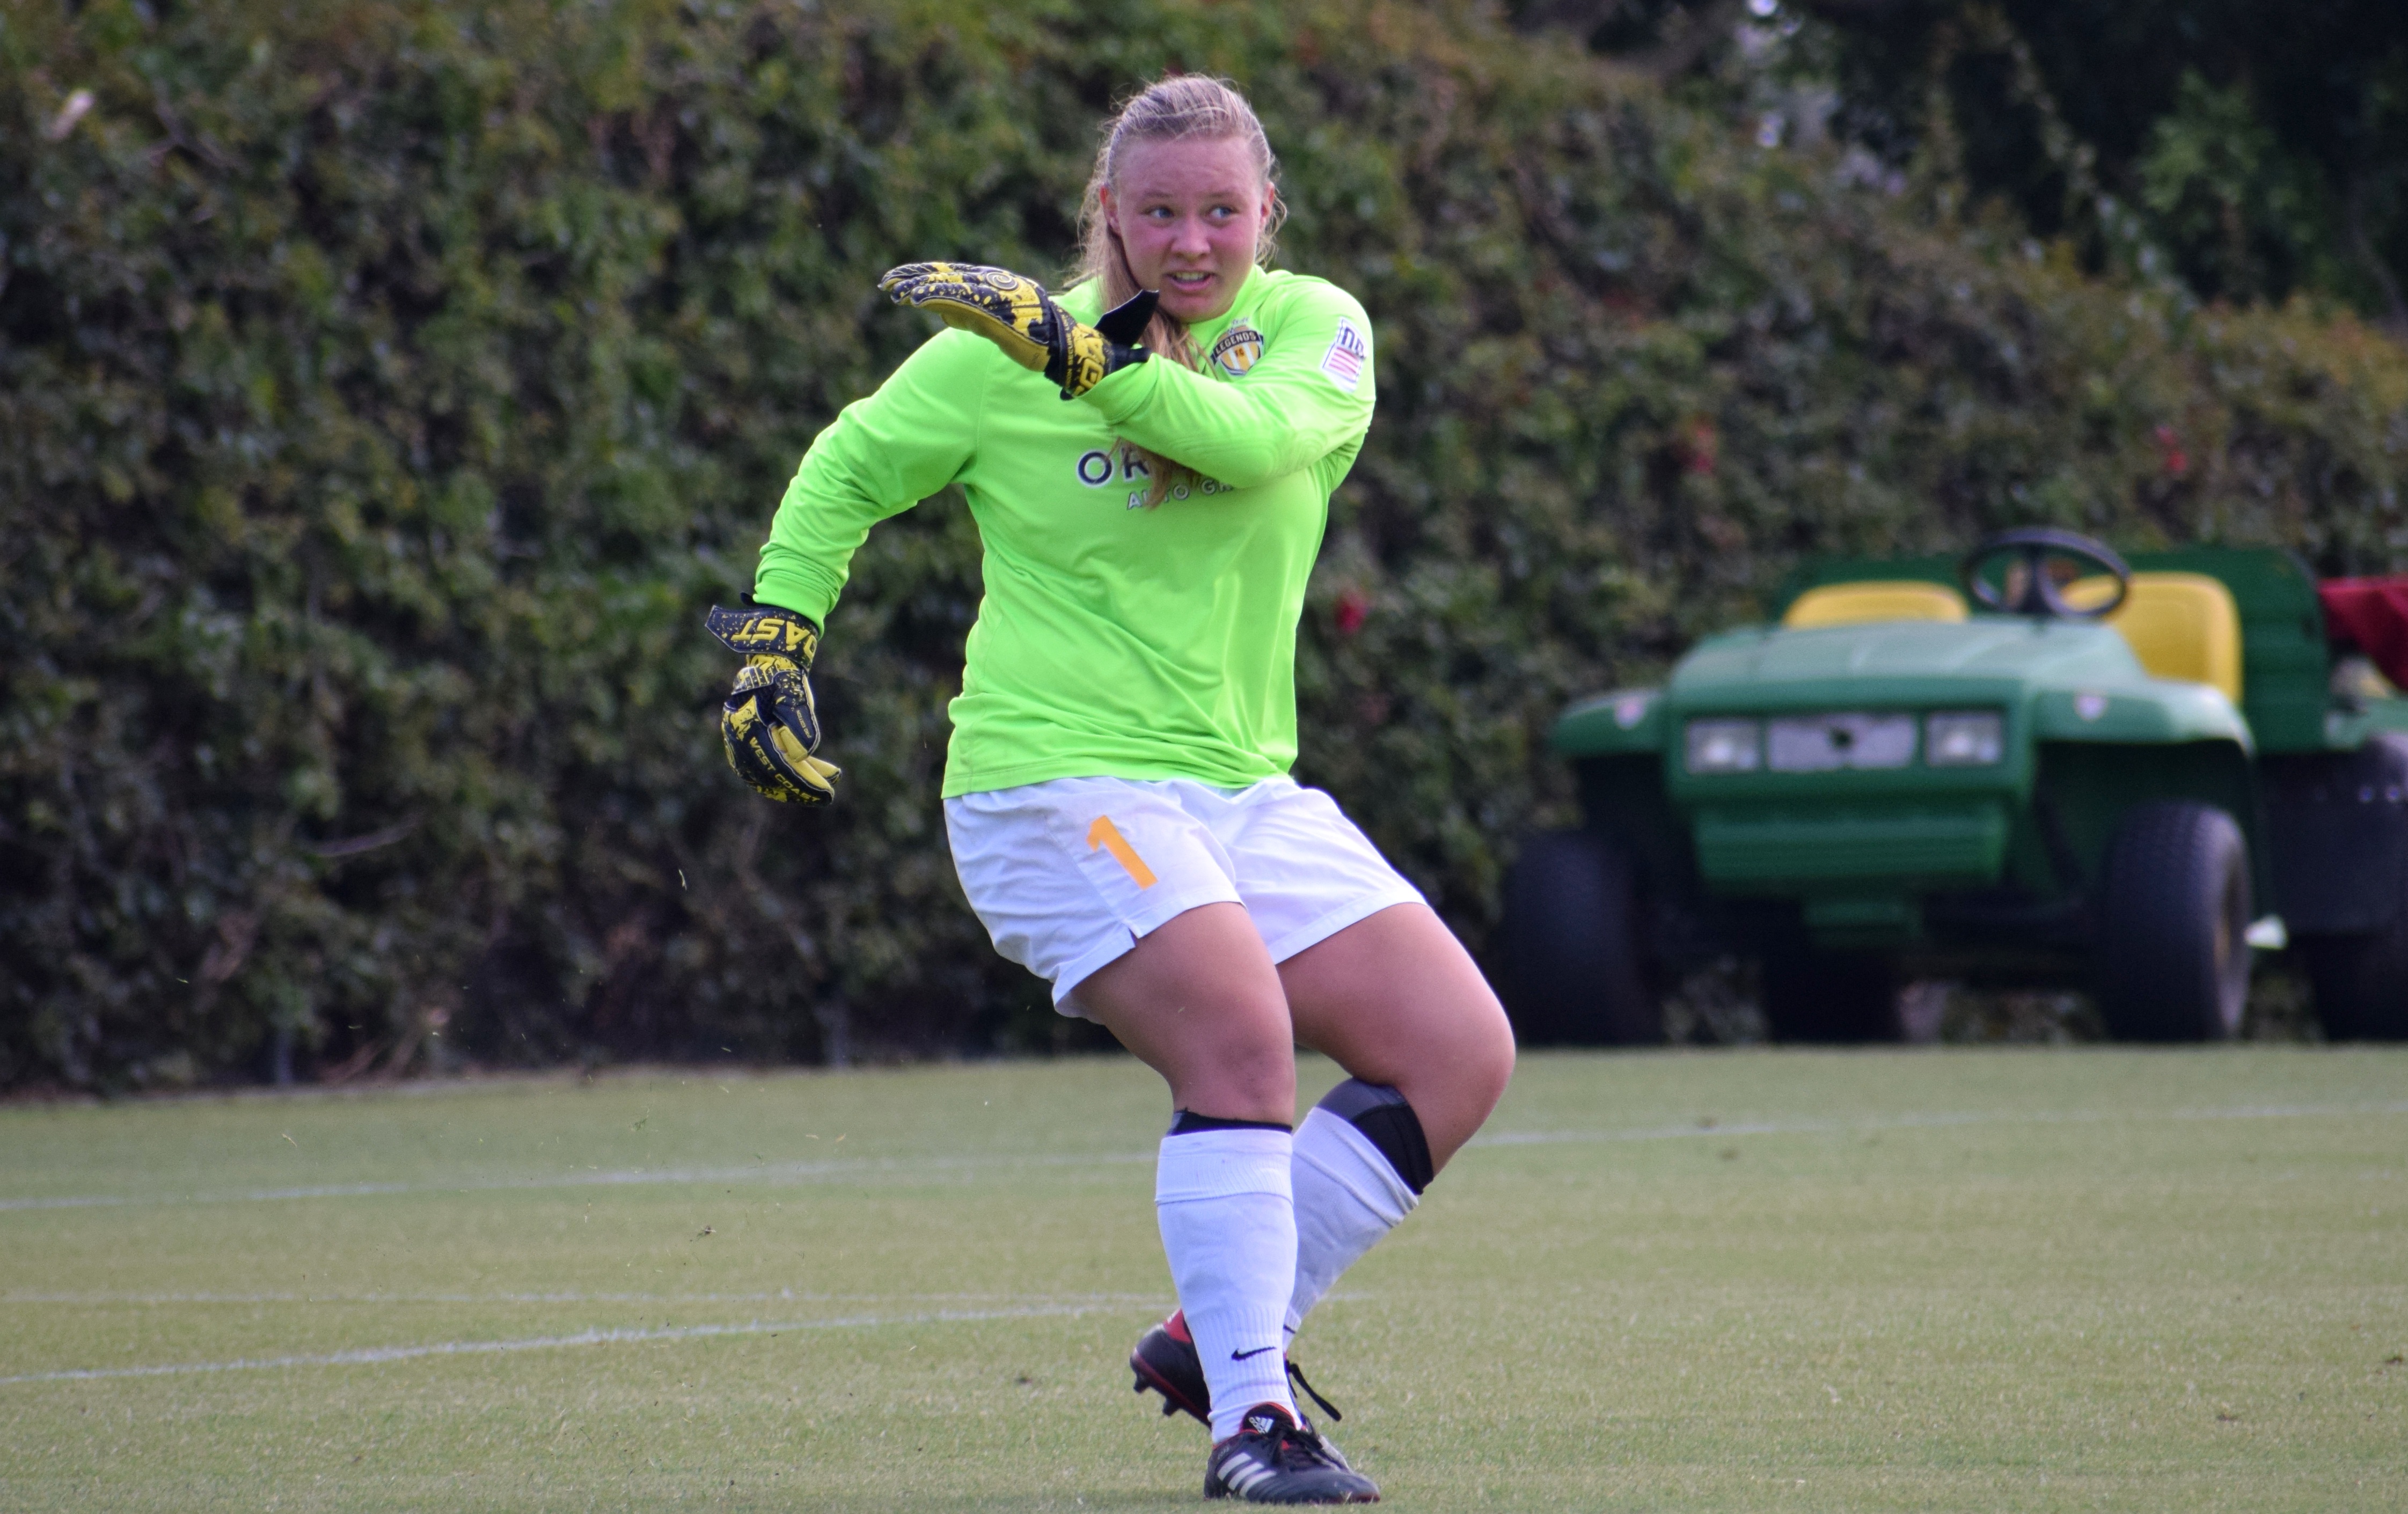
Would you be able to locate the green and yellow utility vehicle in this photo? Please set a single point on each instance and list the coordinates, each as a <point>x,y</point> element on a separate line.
<point>2039,765</point>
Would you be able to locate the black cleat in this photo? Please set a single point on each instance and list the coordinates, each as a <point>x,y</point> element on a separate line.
<point>1274,1459</point>
<point>1165,1360</point>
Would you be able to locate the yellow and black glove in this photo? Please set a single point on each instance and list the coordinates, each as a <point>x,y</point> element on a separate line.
<point>1032,328</point>
<point>769,722</point>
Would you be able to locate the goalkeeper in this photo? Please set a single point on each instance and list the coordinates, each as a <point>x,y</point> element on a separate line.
<point>1149,459</point>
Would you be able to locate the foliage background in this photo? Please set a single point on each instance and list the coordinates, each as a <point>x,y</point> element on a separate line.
<point>389,387</point>
<point>2251,149</point>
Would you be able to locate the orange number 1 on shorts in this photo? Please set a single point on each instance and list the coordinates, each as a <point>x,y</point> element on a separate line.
<point>1106,835</point>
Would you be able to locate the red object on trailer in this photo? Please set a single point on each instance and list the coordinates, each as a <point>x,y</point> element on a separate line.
<point>2372,614</point>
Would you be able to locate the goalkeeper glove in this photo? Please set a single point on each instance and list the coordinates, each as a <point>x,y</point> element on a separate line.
<point>769,722</point>
<point>1032,328</point>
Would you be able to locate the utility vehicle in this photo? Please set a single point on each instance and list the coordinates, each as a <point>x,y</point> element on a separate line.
<point>2043,764</point>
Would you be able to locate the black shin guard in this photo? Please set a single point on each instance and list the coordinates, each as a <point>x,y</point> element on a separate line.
<point>1381,1114</point>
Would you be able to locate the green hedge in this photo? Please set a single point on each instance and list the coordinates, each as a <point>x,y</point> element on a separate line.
<point>389,387</point>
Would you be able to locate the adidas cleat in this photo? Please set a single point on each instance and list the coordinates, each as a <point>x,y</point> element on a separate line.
<point>1165,1360</point>
<point>1274,1459</point>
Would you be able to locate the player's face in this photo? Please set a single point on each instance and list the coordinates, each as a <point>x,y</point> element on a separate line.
<point>1190,213</point>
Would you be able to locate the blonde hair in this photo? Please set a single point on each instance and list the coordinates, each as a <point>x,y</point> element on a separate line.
<point>1171,108</point>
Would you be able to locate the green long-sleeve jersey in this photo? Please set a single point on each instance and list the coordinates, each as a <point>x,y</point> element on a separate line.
<point>1112,639</point>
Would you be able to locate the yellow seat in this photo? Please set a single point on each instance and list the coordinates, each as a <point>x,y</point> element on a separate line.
<point>1874,599</point>
<point>2180,625</point>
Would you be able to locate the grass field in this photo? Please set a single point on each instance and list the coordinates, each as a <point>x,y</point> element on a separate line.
<point>1912,1280</point>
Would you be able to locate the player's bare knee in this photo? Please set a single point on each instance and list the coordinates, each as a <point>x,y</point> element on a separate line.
<point>1249,1074</point>
<point>1266,1074</point>
<point>1490,1065</point>
<point>1457,1080</point>
<point>1473,1066</point>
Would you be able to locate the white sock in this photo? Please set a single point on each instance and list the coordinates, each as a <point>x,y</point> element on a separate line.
<point>1347,1196</point>
<point>1228,1227</point>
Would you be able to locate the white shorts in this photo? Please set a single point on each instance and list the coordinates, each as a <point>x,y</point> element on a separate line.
<point>1066,876</point>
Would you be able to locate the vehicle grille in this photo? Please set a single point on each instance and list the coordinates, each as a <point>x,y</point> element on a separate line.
<point>1822,743</point>
<point>1954,844</point>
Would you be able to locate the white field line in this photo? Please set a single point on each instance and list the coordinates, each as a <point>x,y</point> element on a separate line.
<point>1936,1121</point>
<point>774,1172</point>
<point>545,1343</point>
<point>800,1172</point>
<point>783,1295</point>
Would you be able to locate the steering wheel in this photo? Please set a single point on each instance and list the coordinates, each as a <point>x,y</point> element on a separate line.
<point>2030,587</point>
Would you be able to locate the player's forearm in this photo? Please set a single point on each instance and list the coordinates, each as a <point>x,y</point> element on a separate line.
<point>796,580</point>
<point>1239,435</point>
<point>821,522</point>
<point>882,455</point>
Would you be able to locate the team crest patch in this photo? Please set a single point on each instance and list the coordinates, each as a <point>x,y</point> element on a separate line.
<point>1348,352</point>
<point>1238,349</point>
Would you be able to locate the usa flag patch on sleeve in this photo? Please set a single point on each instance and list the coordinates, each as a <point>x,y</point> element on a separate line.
<point>1348,352</point>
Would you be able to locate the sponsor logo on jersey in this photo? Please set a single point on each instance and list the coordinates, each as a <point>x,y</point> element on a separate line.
<point>1098,466</point>
<point>1348,352</point>
<point>1238,349</point>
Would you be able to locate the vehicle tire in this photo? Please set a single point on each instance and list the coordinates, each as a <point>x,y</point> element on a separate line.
<point>2174,913</point>
<point>1570,934</point>
<point>2360,982</point>
<point>1842,998</point>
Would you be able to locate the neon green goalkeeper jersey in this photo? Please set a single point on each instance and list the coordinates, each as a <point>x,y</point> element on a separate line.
<point>1113,640</point>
